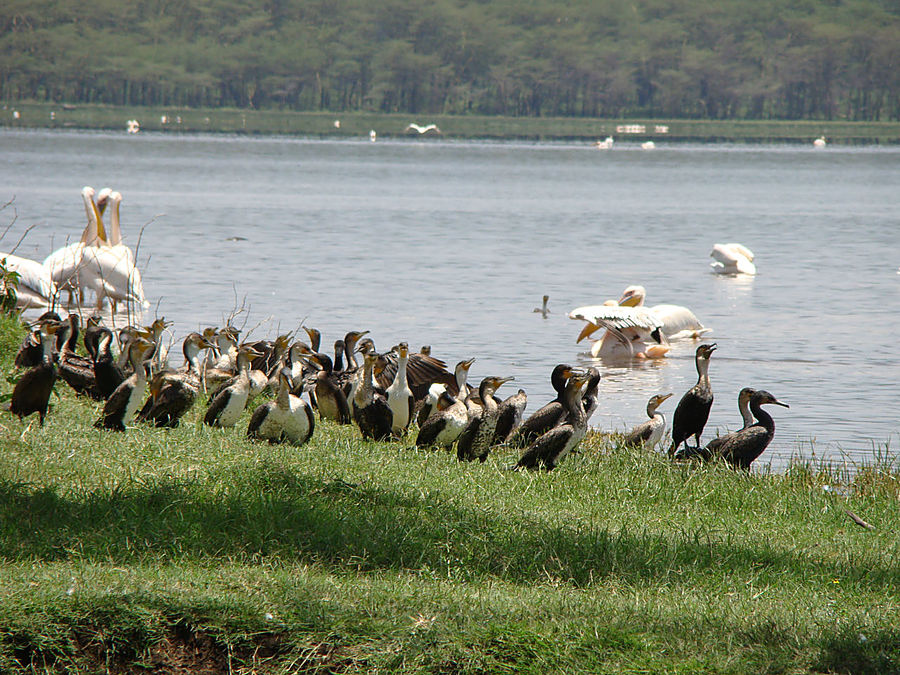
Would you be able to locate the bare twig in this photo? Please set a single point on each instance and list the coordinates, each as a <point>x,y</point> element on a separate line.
<point>859,521</point>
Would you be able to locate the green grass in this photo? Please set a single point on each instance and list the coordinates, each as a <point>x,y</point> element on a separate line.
<point>193,549</point>
<point>358,124</point>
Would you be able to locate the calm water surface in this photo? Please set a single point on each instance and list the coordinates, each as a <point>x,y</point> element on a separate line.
<point>452,244</point>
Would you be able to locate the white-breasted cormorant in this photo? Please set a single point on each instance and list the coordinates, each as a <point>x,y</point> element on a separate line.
<point>648,434</point>
<point>125,400</point>
<point>399,396</point>
<point>226,407</point>
<point>287,419</point>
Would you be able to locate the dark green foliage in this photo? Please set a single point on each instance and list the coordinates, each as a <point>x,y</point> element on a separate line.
<point>729,60</point>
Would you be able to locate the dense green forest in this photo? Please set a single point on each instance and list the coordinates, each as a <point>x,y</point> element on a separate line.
<point>730,59</point>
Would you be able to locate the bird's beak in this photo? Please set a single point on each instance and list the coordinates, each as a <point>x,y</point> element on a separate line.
<point>663,398</point>
<point>775,401</point>
<point>468,364</point>
<point>588,330</point>
<point>629,300</point>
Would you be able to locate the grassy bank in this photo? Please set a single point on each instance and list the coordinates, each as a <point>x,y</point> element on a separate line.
<point>195,550</point>
<point>46,115</point>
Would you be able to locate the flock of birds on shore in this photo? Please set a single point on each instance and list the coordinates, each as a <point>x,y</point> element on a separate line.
<point>383,396</point>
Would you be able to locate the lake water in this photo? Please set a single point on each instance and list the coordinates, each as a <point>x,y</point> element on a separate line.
<point>453,244</point>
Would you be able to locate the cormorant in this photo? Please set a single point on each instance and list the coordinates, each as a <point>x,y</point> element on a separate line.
<point>32,392</point>
<point>509,416</point>
<point>287,419</point>
<point>713,446</point>
<point>226,407</point>
<point>553,446</point>
<point>399,396</point>
<point>331,401</point>
<point>444,425</point>
<point>370,408</point>
<point>124,401</point>
<point>742,447</point>
<point>547,417</point>
<point>693,408</point>
<point>475,441</point>
<point>649,433</point>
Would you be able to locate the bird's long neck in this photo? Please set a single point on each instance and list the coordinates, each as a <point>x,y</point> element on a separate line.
<point>366,388</point>
<point>462,374</point>
<point>400,377</point>
<point>575,404</point>
<point>703,372</point>
<point>47,342</point>
<point>191,351</point>
<point>487,399</point>
<point>746,415</point>
<point>114,233</point>
<point>762,417</point>
<point>348,352</point>
<point>283,400</point>
<point>338,358</point>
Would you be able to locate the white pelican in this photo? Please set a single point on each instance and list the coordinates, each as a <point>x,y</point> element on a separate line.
<point>109,269</point>
<point>648,145</point>
<point>133,126</point>
<point>372,135</point>
<point>35,286</point>
<point>634,330</point>
<point>732,259</point>
<point>64,263</point>
<point>605,144</point>
<point>423,130</point>
<point>820,142</point>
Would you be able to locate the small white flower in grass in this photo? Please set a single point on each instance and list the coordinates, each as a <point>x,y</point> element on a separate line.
<point>269,616</point>
<point>863,639</point>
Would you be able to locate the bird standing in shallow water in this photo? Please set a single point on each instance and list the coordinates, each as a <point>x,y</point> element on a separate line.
<point>693,409</point>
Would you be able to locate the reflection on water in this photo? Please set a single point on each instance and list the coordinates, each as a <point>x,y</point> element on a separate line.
<point>454,244</point>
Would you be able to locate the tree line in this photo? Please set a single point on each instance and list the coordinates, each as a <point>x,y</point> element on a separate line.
<point>733,59</point>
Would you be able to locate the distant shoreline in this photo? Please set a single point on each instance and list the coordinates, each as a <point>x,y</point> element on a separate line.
<point>360,124</point>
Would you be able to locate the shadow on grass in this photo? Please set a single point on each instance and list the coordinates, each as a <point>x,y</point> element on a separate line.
<point>268,511</point>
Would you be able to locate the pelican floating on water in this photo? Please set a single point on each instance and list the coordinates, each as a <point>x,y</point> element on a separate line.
<point>634,330</point>
<point>732,259</point>
<point>605,144</point>
<point>820,142</point>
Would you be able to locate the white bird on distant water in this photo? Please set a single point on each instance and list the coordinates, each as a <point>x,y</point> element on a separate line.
<point>605,144</point>
<point>423,130</point>
<point>732,259</point>
<point>648,145</point>
<point>820,142</point>
<point>633,330</point>
<point>372,135</point>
